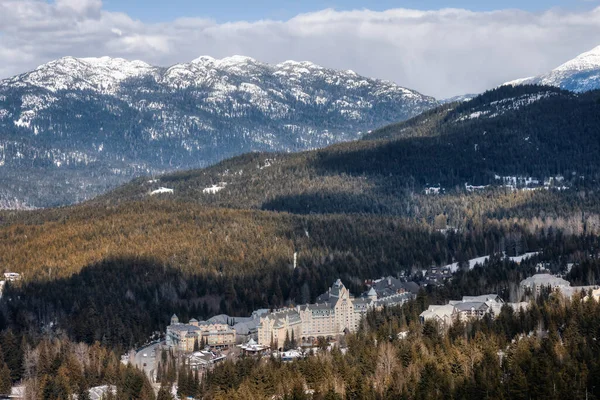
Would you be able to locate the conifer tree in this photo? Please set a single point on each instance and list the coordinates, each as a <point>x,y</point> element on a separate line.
<point>5,379</point>
<point>286,342</point>
<point>164,393</point>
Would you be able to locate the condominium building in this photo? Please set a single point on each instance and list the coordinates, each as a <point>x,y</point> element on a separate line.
<point>468,309</point>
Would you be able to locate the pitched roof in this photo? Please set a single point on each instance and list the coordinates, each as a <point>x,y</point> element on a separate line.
<point>483,298</point>
<point>471,305</point>
<point>438,311</point>
<point>544,280</point>
<point>183,328</point>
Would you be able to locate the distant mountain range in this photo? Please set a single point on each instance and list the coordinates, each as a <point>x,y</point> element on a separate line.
<point>580,74</point>
<point>73,128</point>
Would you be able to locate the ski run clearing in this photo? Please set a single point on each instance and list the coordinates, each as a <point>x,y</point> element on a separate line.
<point>481,260</point>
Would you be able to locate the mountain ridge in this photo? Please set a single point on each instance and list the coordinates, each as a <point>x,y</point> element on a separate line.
<point>76,127</point>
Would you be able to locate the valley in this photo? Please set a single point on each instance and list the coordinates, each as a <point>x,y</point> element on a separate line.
<point>324,235</point>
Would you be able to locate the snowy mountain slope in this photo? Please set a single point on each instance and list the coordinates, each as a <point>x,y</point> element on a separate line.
<point>101,121</point>
<point>580,74</point>
<point>69,73</point>
<point>458,99</point>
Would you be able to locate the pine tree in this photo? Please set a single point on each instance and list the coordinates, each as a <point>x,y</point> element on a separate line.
<point>182,382</point>
<point>164,393</point>
<point>293,341</point>
<point>5,379</point>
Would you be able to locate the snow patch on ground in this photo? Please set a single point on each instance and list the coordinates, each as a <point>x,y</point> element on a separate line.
<point>481,260</point>
<point>100,392</point>
<point>525,256</point>
<point>162,190</point>
<point>214,188</point>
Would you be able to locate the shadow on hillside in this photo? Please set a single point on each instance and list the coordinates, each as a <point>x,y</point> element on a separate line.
<point>120,302</point>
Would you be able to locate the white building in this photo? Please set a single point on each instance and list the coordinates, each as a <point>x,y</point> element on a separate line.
<point>535,284</point>
<point>539,281</point>
<point>12,276</point>
<point>469,308</point>
<point>444,315</point>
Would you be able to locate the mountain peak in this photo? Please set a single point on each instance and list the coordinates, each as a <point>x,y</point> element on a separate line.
<point>232,60</point>
<point>580,74</point>
<point>204,60</point>
<point>69,73</point>
<point>113,62</point>
<point>95,62</point>
<point>293,63</point>
<point>583,62</point>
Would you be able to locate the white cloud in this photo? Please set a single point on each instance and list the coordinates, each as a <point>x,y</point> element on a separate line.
<point>441,53</point>
<point>80,8</point>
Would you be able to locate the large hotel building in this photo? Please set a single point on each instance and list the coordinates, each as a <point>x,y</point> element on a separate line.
<point>336,312</point>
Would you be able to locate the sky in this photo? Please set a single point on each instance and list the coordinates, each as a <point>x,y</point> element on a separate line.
<point>235,10</point>
<point>439,48</point>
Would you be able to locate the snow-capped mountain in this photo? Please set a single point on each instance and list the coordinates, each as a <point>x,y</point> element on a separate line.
<point>95,122</point>
<point>99,74</point>
<point>458,99</point>
<point>580,74</point>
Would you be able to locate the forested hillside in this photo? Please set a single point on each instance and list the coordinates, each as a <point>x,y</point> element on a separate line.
<point>529,132</point>
<point>116,274</point>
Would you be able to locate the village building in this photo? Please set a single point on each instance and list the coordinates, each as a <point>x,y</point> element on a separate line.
<point>570,291</point>
<point>245,327</point>
<point>252,348</point>
<point>336,313</point>
<point>539,281</point>
<point>203,359</point>
<point>12,276</point>
<point>390,286</point>
<point>536,283</point>
<point>468,309</point>
<point>443,315</point>
<point>275,327</point>
<point>186,337</point>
